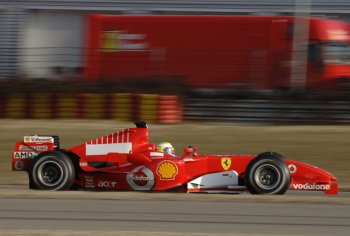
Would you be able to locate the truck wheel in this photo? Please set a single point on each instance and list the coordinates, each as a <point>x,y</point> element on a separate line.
<point>52,171</point>
<point>267,174</point>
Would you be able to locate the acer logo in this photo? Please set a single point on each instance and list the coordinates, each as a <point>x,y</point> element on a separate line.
<point>106,184</point>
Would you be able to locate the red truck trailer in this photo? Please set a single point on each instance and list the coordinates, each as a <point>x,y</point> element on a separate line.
<point>214,52</point>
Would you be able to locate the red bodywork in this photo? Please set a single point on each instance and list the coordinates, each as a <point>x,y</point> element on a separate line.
<point>134,164</point>
<point>220,52</point>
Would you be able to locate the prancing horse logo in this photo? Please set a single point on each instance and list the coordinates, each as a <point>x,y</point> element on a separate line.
<point>226,163</point>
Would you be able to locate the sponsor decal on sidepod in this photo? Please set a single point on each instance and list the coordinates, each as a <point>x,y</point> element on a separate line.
<point>106,184</point>
<point>167,170</point>
<point>313,186</point>
<point>89,182</point>
<point>140,178</point>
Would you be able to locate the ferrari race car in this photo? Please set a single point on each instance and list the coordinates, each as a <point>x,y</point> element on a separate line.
<point>124,160</point>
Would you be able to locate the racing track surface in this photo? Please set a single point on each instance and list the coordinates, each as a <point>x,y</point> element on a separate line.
<point>190,216</point>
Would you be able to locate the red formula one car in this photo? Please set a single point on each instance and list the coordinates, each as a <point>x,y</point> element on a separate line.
<point>124,160</point>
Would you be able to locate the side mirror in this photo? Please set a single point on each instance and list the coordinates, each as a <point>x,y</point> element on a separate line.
<point>188,150</point>
<point>191,150</point>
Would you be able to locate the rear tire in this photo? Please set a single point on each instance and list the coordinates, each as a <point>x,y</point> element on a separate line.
<point>32,185</point>
<point>52,171</point>
<point>267,174</point>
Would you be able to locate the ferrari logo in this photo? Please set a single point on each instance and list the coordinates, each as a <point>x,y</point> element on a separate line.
<point>226,163</point>
<point>110,40</point>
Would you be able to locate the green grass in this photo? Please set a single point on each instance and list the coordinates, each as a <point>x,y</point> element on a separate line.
<point>327,147</point>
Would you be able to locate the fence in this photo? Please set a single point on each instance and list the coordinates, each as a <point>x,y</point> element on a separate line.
<point>268,111</point>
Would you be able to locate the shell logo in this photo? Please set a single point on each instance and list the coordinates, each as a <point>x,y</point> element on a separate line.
<point>167,170</point>
<point>27,139</point>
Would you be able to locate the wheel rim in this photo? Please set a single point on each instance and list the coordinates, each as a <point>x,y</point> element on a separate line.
<point>267,176</point>
<point>50,173</point>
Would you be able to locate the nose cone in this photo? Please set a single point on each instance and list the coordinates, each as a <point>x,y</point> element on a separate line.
<point>309,177</point>
<point>307,171</point>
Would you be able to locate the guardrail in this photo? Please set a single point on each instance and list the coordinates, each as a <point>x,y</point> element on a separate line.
<point>268,111</point>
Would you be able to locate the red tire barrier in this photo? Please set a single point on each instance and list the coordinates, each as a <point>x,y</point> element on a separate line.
<point>135,106</point>
<point>169,109</point>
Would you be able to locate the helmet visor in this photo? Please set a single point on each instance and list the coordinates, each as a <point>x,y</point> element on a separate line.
<point>169,150</point>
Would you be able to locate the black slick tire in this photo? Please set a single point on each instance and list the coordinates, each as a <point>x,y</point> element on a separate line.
<point>267,174</point>
<point>52,170</point>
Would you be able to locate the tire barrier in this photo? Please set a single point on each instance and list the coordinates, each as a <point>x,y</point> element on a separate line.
<point>94,106</point>
<point>15,106</point>
<point>169,109</point>
<point>120,106</point>
<point>65,106</point>
<point>148,107</point>
<point>41,106</point>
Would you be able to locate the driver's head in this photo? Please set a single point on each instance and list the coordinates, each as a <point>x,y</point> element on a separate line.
<point>166,147</point>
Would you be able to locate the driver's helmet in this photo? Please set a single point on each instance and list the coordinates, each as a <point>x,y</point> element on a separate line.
<point>166,147</point>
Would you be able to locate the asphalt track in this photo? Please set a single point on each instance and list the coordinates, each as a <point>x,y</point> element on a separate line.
<point>184,216</point>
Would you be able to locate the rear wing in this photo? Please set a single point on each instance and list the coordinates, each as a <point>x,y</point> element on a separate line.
<point>30,147</point>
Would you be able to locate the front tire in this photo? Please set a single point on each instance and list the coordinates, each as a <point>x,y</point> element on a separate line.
<point>52,171</point>
<point>267,174</point>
